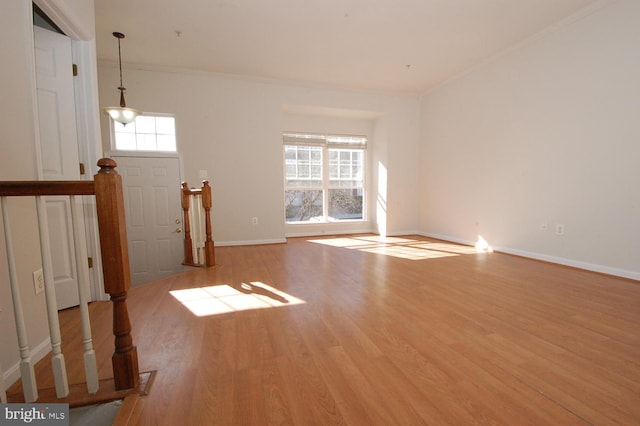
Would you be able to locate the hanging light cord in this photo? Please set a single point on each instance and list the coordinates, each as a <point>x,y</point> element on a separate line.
<point>121,88</point>
<point>120,63</point>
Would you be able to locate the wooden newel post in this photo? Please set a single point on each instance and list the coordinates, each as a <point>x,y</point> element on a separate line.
<point>209,249</point>
<point>188,243</point>
<point>115,266</point>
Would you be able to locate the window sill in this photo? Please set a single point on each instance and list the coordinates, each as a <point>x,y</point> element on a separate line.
<point>326,222</point>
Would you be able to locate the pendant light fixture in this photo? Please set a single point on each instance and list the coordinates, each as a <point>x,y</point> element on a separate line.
<point>122,114</point>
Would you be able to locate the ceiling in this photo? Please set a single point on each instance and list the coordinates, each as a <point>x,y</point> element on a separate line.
<point>394,46</point>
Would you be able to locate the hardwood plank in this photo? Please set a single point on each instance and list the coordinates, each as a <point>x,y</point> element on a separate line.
<point>443,335</point>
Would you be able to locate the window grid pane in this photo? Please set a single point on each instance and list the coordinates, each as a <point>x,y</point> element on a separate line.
<point>126,142</point>
<point>303,205</point>
<point>345,204</point>
<point>345,168</point>
<point>145,124</point>
<point>146,133</point>
<point>303,166</point>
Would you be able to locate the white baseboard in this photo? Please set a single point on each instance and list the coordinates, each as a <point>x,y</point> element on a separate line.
<point>37,353</point>
<point>403,233</point>
<point>623,273</point>
<point>447,238</point>
<point>250,242</point>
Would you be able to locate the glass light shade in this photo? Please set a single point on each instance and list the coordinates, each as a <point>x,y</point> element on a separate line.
<point>123,115</point>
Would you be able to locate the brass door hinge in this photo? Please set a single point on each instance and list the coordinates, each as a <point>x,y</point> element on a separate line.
<point>75,70</point>
<point>90,261</point>
<point>82,168</point>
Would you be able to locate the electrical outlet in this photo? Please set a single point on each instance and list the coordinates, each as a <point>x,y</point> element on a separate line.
<point>254,220</point>
<point>559,229</point>
<point>38,281</point>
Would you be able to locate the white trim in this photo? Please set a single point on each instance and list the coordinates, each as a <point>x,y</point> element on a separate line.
<point>402,233</point>
<point>149,154</point>
<point>85,86</point>
<point>264,80</point>
<point>250,242</point>
<point>65,16</point>
<point>573,263</point>
<point>37,353</point>
<point>350,232</point>
<point>87,105</point>
<point>31,69</point>
<point>324,232</point>
<point>623,273</point>
<point>447,238</point>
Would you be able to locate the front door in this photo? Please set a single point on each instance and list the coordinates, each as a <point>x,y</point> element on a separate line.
<point>59,153</point>
<point>151,187</point>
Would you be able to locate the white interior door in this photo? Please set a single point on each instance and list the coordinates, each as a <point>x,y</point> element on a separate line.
<point>153,210</point>
<point>59,153</point>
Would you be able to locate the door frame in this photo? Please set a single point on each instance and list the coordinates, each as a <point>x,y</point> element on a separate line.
<point>87,113</point>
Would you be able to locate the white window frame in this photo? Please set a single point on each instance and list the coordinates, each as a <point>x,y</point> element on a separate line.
<point>328,142</point>
<point>112,127</point>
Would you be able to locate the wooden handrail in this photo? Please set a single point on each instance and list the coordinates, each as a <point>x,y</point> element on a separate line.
<point>107,188</point>
<point>48,187</point>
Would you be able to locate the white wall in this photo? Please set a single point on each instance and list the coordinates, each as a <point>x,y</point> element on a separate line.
<point>545,134</point>
<point>232,128</point>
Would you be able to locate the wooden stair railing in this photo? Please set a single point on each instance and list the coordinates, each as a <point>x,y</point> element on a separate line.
<point>107,188</point>
<point>209,248</point>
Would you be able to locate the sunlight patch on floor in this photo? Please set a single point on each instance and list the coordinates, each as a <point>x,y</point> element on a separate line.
<point>405,248</point>
<point>407,252</point>
<point>222,299</point>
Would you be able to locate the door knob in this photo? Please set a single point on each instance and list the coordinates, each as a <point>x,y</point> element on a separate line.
<point>178,230</point>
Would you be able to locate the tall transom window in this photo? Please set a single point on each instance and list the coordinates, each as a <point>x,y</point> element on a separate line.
<point>324,177</point>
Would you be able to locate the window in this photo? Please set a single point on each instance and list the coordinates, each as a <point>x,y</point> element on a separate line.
<point>146,133</point>
<point>324,177</point>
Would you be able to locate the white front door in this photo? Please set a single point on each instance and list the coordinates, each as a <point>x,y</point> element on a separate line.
<point>59,153</point>
<point>151,187</point>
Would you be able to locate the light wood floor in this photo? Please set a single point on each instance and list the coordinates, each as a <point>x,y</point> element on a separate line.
<point>405,332</point>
